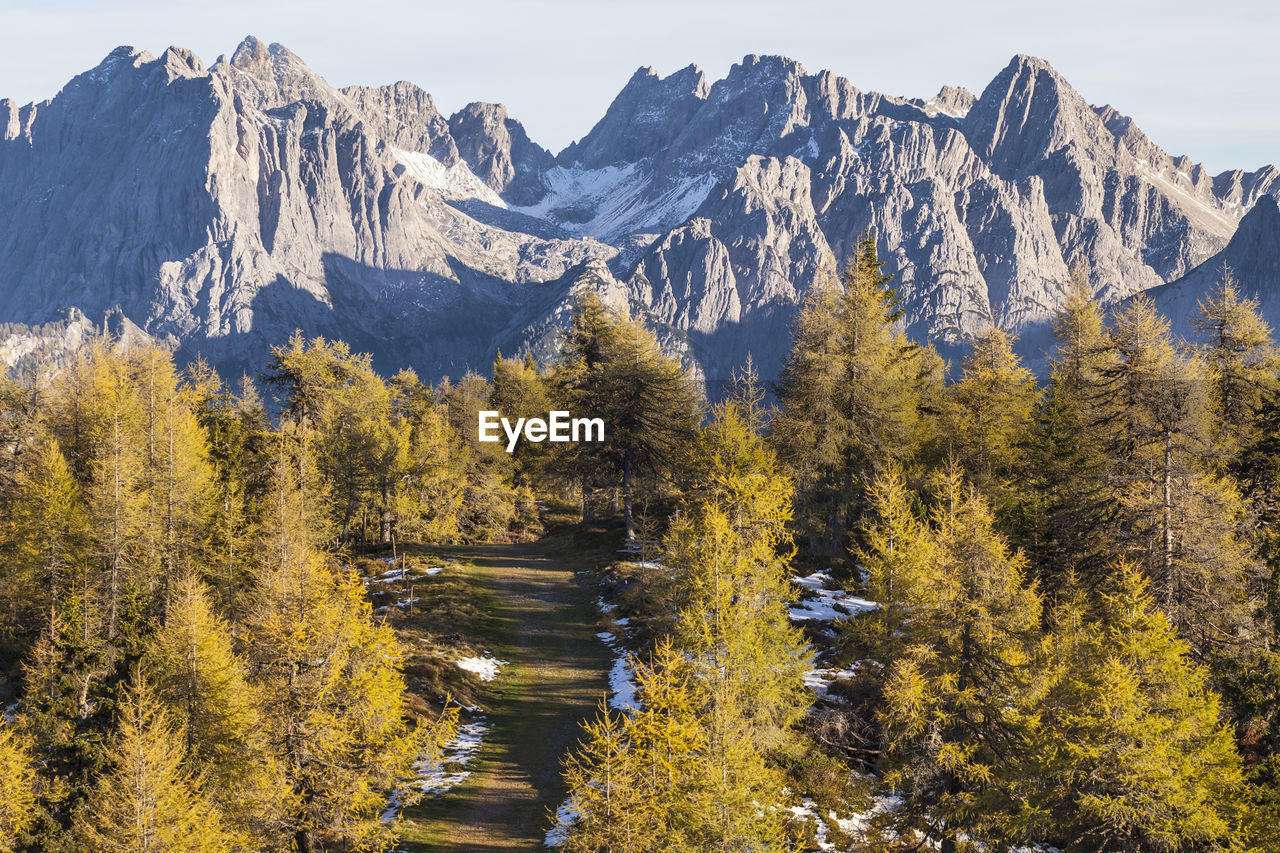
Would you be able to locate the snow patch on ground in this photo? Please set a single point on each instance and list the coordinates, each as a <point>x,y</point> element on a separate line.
<point>820,680</point>
<point>438,777</point>
<point>486,667</point>
<point>398,575</point>
<point>855,825</point>
<point>622,684</point>
<point>566,816</point>
<point>806,812</point>
<point>826,605</point>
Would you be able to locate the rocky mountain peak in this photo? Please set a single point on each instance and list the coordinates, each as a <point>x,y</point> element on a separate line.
<point>644,118</point>
<point>498,150</point>
<point>272,76</point>
<point>771,79</point>
<point>180,62</point>
<point>952,101</point>
<point>1028,112</point>
<point>225,208</point>
<point>118,61</point>
<point>404,115</point>
<point>769,66</point>
<point>251,53</point>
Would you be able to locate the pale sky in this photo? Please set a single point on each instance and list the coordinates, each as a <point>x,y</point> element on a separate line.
<point>1199,77</point>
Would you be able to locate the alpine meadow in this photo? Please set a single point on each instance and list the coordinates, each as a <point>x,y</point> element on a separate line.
<point>861,474</point>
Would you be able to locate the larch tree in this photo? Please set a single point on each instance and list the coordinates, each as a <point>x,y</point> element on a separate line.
<point>1240,362</point>
<point>899,558</point>
<point>176,479</point>
<point>1133,754</point>
<point>107,447</point>
<point>606,798</point>
<point>46,533</point>
<point>962,698</point>
<point>17,786</point>
<point>1180,524</point>
<point>850,397</point>
<point>333,691</point>
<point>989,416</point>
<point>733,585</point>
<point>639,780</point>
<point>217,711</point>
<point>147,800</point>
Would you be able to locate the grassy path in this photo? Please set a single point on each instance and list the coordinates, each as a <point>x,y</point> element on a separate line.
<point>540,619</point>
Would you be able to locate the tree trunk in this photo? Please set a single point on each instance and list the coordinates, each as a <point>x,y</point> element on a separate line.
<point>1168,526</point>
<point>588,510</point>
<point>384,530</point>
<point>627,515</point>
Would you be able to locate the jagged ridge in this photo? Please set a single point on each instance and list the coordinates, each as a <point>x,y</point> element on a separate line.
<point>221,207</point>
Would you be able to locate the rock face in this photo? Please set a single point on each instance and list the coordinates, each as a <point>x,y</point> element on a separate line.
<point>1252,257</point>
<point>218,208</point>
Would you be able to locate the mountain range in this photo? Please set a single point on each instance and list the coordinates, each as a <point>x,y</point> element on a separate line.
<point>217,208</point>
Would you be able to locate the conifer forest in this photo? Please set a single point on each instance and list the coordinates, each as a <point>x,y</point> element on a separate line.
<point>885,603</point>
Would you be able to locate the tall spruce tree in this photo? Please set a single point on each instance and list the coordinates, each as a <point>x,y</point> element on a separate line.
<point>850,396</point>
<point>435,484</point>
<point>613,369</point>
<point>487,504</point>
<point>238,438</point>
<point>1070,511</point>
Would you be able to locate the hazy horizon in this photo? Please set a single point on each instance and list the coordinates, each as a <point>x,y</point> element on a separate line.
<point>1198,83</point>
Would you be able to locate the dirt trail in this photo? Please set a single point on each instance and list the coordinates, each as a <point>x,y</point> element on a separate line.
<point>545,628</point>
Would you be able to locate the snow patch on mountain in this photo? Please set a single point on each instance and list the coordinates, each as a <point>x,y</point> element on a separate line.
<point>455,183</point>
<point>611,202</point>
